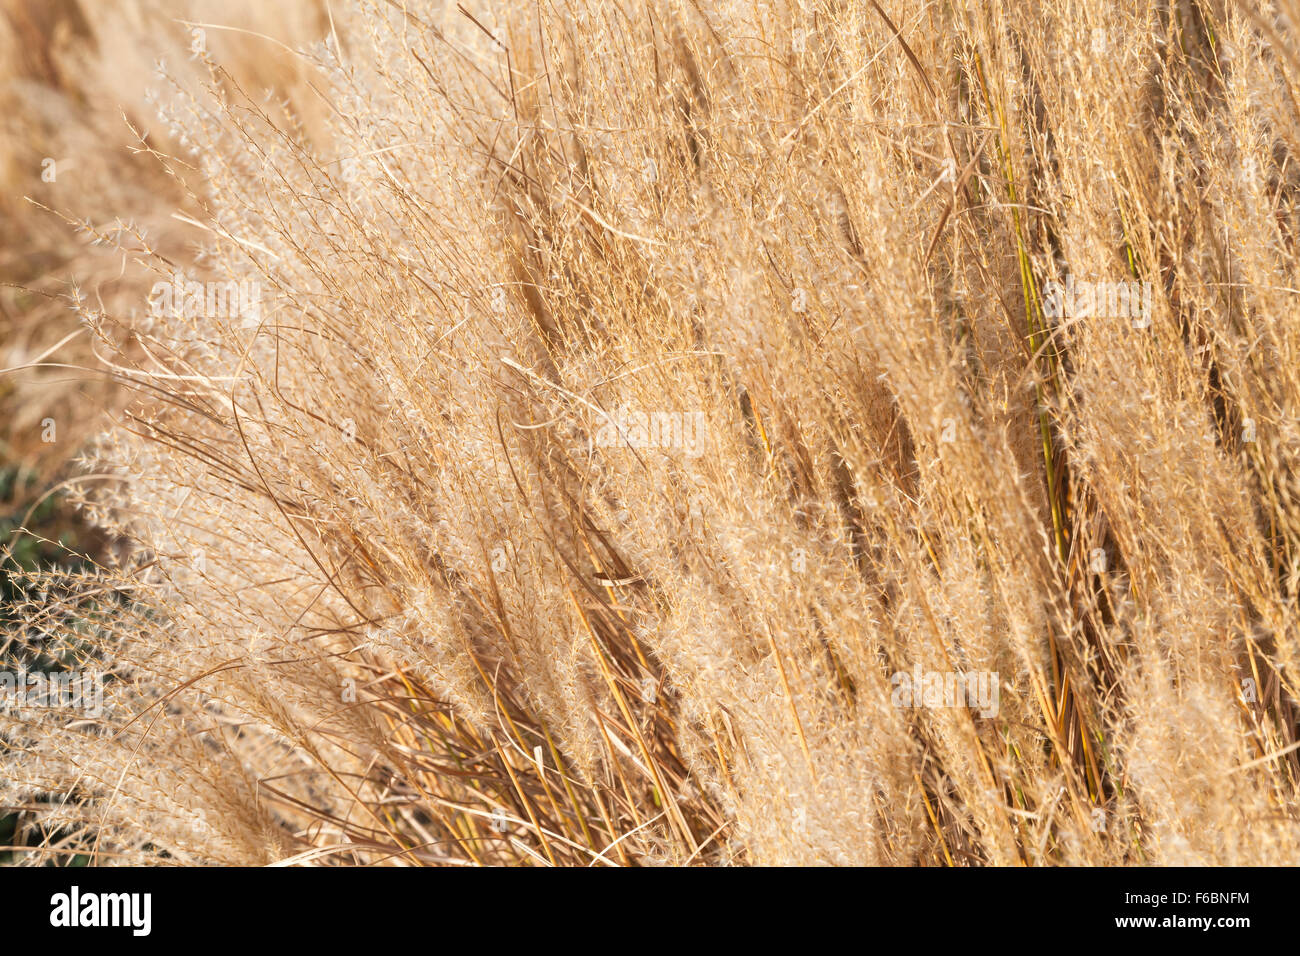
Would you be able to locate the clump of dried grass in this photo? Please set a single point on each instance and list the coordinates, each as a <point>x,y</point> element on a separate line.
<point>393,597</point>
<point>75,101</point>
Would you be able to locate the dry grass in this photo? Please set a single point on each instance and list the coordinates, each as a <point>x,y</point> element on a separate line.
<point>392,595</point>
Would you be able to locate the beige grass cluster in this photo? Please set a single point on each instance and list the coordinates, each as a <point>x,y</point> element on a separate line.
<point>395,596</point>
<point>75,99</point>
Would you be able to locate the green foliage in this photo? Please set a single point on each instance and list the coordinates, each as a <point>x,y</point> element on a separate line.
<point>50,543</point>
